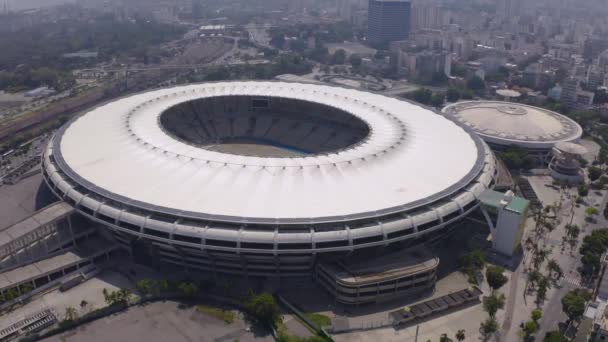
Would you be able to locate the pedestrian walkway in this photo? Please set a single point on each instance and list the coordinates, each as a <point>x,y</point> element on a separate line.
<point>573,279</point>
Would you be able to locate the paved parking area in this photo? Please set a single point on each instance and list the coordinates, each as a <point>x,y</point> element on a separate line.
<point>467,319</point>
<point>91,291</point>
<point>162,322</point>
<point>21,200</point>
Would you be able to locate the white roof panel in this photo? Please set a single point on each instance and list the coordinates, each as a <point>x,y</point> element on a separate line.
<point>120,149</point>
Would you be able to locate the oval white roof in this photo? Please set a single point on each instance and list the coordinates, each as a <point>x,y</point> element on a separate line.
<point>412,156</point>
<point>512,123</point>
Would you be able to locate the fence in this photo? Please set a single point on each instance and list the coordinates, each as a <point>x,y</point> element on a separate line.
<point>361,327</point>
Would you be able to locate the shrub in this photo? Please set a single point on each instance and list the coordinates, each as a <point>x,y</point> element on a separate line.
<point>319,319</point>
<point>221,314</point>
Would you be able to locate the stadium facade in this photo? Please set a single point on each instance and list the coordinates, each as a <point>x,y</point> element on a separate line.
<point>271,179</point>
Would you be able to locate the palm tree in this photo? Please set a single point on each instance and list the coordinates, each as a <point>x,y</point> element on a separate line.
<point>83,304</point>
<point>162,286</point>
<point>106,296</point>
<point>124,295</point>
<point>444,338</point>
<point>555,271</point>
<point>70,314</point>
<point>539,256</point>
<point>460,335</point>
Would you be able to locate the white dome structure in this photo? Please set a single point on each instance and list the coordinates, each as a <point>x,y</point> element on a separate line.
<point>507,124</point>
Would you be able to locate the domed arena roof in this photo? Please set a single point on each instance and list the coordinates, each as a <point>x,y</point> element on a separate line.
<point>510,123</point>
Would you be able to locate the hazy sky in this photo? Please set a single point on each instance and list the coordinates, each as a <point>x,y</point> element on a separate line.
<point>16,5</point>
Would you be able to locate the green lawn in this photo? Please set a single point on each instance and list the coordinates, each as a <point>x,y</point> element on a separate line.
<point>221,314</point>
<point>318,319</point>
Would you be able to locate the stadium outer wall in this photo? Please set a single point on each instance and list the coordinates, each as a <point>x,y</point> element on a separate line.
<point>265,250</point>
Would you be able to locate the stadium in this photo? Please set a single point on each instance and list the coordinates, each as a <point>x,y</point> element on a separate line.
<point>506,124</point>
<point>273,179</point>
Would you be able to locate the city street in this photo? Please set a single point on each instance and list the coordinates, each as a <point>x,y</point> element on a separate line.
<point>518,308</point>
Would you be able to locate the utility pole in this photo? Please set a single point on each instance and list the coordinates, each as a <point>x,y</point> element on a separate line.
<point>417,327</point>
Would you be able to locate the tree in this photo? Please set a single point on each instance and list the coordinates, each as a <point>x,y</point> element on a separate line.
<point>493,303</point>
<point>116,297</point>
<point>591,249</point>
<point>516,158</point>
<point>423,96</point>
<point>459,70</point>
<point>573,303</point>
<point>162,286</point>
<point>124,296</point>
<point>445,338</point>
<point>594,173</point>
<point>70,314</point>
<point>278,41</point>
<point>83,304</point>
<point>543,286</point>
<point>488,328</point>
<point>297,45</point>
<point>452,95</point>
<point>437,100</point>
<point>555,336</point>
<point>264,308</point>
<point>536,315</point>
<point>475,83</point>
<point>472,263</point>
<point>555,271</point>
<point>339,57</point>
<point>591,211</point>
<point>188,289</point>
<point>495,277</point>
<point>539,256</point>
<point>144,286</point>
<point>355,61</point>
<point>106,296</point>
<point>583,190</point>
<point>572,233</point>
<point>460,335</point>
<point>466,94</point>
<point>530,328</point>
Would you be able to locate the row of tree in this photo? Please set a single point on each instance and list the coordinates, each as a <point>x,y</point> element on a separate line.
<point>453,94</point>
<point>283,64</point>
<point>43,45</point>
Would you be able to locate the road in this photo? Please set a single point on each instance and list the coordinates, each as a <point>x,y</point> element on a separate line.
<point>518,307</point>
<point>552,309</point>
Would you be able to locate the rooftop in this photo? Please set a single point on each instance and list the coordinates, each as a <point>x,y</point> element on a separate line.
<point>40,218</point>
<point>512,123</point>
<point>400,165</point>
<point>383,268</point>
<point>502,200</point>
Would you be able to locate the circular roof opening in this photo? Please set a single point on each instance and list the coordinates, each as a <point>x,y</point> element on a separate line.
<point>263,126</point>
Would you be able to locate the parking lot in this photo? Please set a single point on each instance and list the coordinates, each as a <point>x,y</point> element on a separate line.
<point>162,321</point>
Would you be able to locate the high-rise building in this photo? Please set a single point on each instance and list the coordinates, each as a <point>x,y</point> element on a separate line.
<point>426,63</point>
<point>388,21</point>
<point>569,90</point>
<point>506,216</point>
<point>197,9</point>
<point>428,16</point>
<point>344,9</point>
<point>509,8</point>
